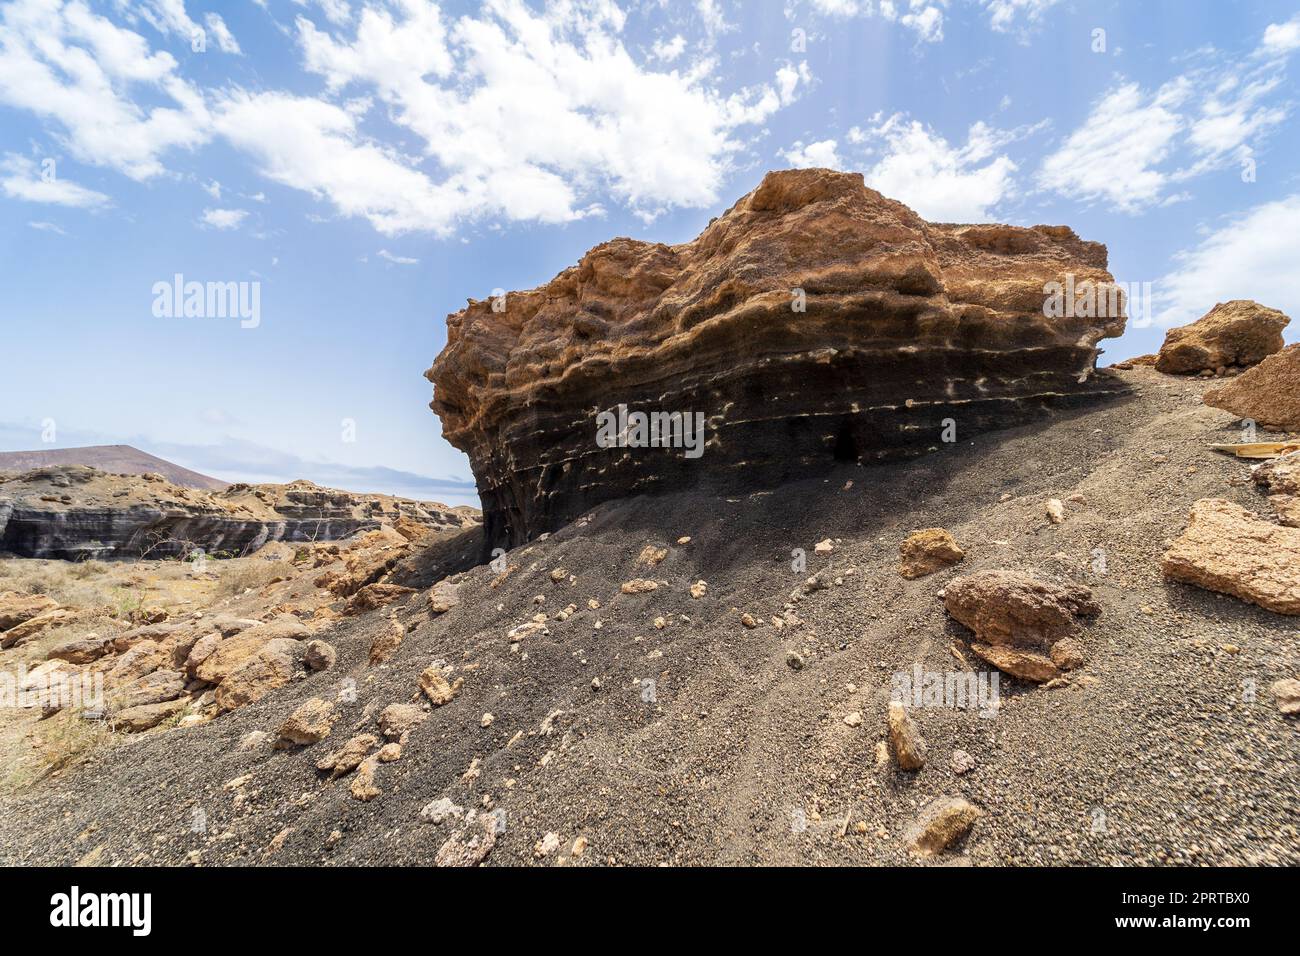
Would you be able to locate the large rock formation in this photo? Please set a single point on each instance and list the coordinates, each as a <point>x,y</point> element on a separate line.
<point>76,512</point>
<point>1233,334</point>
<point>1269,393</point>
<point>815,321</point>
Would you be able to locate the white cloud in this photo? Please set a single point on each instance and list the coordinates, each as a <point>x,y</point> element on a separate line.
<point>76,69</point>
<point>169,18</point>
<point>822,153</point>
<point>47,227</point>
<point>399,260</point>
<point>1115,154</point>
<point>529,114</point>
<point>213,189</point>
<point>336,11</point>
<point>223,218</point>
<point>1005,15</point>
<point>1135,146</point>
<point>925,17</point>
<point>1281,39</point>
<point>941,181</point>
<point>22,178</point>
<point>669,50</point>
<point>1253,257</point>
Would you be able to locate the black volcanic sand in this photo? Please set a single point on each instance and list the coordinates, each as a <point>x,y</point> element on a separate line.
<point>1161,755</point>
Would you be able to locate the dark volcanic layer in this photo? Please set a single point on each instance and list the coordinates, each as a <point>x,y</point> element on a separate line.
<point>74,512</point>
<point>907,324</point>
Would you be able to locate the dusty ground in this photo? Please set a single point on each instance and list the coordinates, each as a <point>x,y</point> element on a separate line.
<point>1167,748</point>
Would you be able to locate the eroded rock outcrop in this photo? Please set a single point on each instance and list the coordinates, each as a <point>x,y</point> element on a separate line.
<point>76,512</point>
<point>1233,334</point>
<point>815,321</point>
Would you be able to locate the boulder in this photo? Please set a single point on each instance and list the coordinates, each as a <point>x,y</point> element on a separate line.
<point>319,655</point>
<point>154,688</point>
<point>1228,549</point>
<point>310,723</point>
<point>133,720</point>
<point>21,633</point>
<point>349,756</point>
<point>926,551</point>
<point>1018,662</point>
<point>814,321</point>
<point>443,596</point>
<point>273,665</point>
<point>1287,694</point>
<point>17,608</point>
<point>434,684</point>
<point>80,650</point>
<point>386,641</point>
<point>1236,333</point>
<point>1280,477</point>
<point>374,595</point>
<point>1269,393</point>
<point>398,720</point>
<point>1013,608</point>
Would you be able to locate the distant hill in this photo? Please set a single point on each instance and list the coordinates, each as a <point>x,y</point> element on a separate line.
<point>114,459</point>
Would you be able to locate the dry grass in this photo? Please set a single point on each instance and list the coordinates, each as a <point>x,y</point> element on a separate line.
<point>242,574</point>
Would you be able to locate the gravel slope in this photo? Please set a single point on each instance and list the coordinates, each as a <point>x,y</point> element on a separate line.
<point>1157,755</point>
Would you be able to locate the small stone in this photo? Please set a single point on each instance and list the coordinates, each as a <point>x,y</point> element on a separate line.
<point>546,845</point>
<point>579,846</point>
<point>961,762</point>
<point>684,539</point>
<point>486,720</point>
<point>307,725</point>
<point>748,620</point>
<point>698,589</point>
<point>825,546</point>
<point>559,574</point>
<point>1287,692</point>
<point>638,586</point>
<point>1055,511</point>
<point>595,685</point>
<point>795,660</point>
<point>909,746</point>
<point>941,824</point>
<point>439,811</point>
<point>1067,654</point>
<point>853,719</point>
<point>433,682</point>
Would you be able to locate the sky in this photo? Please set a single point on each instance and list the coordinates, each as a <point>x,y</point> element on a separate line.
<point>357,169</point>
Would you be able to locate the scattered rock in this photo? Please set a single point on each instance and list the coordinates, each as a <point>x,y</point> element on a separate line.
<point>638,586</point>
<point>926,551</point>
<point>434,684</point>
<point>398,720</point>
<point>961,762</point>
<point>470,845</point>
<point>1009,607</point>
<point>440,811</point>
<point>349,756</point>
<point>650,555</point>
<point>1280,477</point>
<point>1233,551</point>
<point>386,641</point>
<point>17,608</point>
<point>1240,332</point>
<point>1067,654</point>
<point>794,660</point>
<point>309,724</point>
<point>825,546</point>
<point>80,650</point>
<point>320,655</point>
<point>546,845</point>
<point>1055,511</point>
<point>853,719</point>
<point>363,786</point>
<point>133,720</point>
<point>1017,661</point>
<point>941,824</point>
<point>1287,692</point>
<point>374,595</point>
<point>698,589</point>
<point>486,720</point>
<point>443,596</point>
<point>749,620</point>
<point>909,746</point>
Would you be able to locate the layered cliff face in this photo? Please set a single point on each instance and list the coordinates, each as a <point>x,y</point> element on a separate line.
<point>815,321</point>
<point>74,512</point>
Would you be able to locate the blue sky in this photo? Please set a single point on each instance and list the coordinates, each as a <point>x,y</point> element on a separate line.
<point>373,163</point>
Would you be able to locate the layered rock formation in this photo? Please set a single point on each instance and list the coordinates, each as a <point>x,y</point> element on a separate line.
<point>1231,335</point>
<point>1269,393</point>
<point>75,512</point>
<point>815,321</point>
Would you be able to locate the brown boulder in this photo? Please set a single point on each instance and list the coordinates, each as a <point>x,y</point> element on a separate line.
<point>924,552</point>
<point>1269,393</point>
<point>443,596</point>
<point>1018,662</point>
<point>1234,551</point>
<point>17,608</point>
<point>310,723</point>
<point>1240,332</point>
<point>1287,693</point>
<point>133,720</point>
<point>349,756</point>
<point>1009,607</point>
<point>273,665</point>
<point>21,633</point>
<point>434,684</point>
<point>398,720</point>
<point>374,595</point>
<point>80,650</point>
<point>319,655</point>
<point>1281,479</point>
<point>386,642</point>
